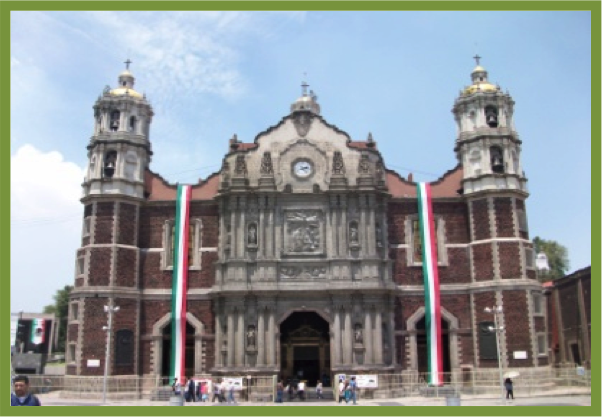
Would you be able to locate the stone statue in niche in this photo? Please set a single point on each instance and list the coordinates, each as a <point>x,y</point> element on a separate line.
<point>358,336</point>
<point>266,164</point>
<point>241,166</point>
<point>338,165</point>
<point>364,165</point>
<point>251,336</point>
<point>353,234</point>
<point>379,235</point>
<point>252,235</point>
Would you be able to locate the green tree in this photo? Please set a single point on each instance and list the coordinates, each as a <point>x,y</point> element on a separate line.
<point>60,309</point>
<point>558,258</point>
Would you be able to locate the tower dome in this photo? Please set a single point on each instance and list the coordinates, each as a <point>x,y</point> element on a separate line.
<point>126,83</point>
<point>479,81</point>
<point>307,102</point>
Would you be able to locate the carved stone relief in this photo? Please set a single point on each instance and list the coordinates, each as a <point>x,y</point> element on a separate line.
<point>303,272</point>
<point>303,232</point>
<point>266,164</point>
<point>302,122</point>
<point>241,166</point>
<point>364,165</point>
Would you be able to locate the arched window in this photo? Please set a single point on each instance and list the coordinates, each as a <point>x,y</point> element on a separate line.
<point>132,127</point>
<point>114,121</point>
<point>497,159</point>
<point>110,162</point>
<point>491,116</point>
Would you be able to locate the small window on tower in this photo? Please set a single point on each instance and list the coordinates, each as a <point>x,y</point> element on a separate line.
<point>132,124</point>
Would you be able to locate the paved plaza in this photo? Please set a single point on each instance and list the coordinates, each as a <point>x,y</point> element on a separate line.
<point>564,397</point>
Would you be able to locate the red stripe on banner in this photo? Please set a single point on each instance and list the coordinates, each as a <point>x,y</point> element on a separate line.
<point>435,282</point>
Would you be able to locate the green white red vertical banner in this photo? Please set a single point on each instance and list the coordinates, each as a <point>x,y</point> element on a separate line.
<point>431,284</point>
<point>38,331</point>
<point>179,282</point>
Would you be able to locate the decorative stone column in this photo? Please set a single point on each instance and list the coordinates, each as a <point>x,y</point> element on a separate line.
<point>347,338</point>
<point>336,340</point>
<point>242,227</point>
<point>378,337</point>
<point>343,228</point>
<point>230,337</point>
<point>260,338</point>
<point>218,339</point>
<point>369,358</point>
<point>271,339</point>
<point>240,343</point>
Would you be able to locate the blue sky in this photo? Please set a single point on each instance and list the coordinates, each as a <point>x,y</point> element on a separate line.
<point>210,75</point>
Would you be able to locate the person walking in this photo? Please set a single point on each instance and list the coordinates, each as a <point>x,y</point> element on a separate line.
<point>509,389</point>
<point>289,389</point>
<point>301,390</point>
<point>216,389</point>
<point>319,388</point>
<point>231,393</point>
<point>176,387</point>
<point>21,396</point>
<point>341,391</point>
<point>353,389</point>
<point>279,391</point>
<point>191,390</point>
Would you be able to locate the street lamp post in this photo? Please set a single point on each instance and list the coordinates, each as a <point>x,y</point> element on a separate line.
<point>497,312</point>
<point>109,309</point>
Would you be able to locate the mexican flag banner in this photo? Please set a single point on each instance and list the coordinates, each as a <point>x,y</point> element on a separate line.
<point>38,331</point>
<point>179,282</point>
<point>431,284</point>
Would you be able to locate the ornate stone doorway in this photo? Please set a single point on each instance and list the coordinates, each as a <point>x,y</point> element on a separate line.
<point>305,348</point>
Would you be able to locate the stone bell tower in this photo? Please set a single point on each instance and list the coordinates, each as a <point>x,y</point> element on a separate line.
<point>487,144</point>
<point>119,150</point>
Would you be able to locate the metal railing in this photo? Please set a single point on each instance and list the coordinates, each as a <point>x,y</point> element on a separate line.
<point>482,382</point>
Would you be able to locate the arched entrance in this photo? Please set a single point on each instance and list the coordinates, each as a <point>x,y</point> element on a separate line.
<point>418,360</point>
<point>161,346</point>
<point>189,358</point>
<point>422,346</point>
<point>305,348</point>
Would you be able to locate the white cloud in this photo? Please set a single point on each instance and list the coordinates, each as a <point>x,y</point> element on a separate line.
<point>45,226</point>
<point>43,185</point>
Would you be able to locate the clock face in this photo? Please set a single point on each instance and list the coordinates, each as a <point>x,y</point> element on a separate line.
<point>302,169</point>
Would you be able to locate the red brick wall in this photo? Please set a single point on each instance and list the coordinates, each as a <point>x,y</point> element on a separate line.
<point>103,231</point>
<point>539,324</point>
<point>152,219</point>
<point>480,219</point>
<point>396,217</point>
<point>459,306</point>
<point>151,274</point>
<point>467,358</point>
<point>518,337</point>
<point>503,216</point>
<point>127,224</point>
<point>94,337</point>
<point>482,257</point>
<point>531,274</point>
<point>79,282</point>
<point>150,312</point>
<point>456,221</point>
<point>100,266</point>
<point>402,274</point>
<point>202,310</point>
<point>509,258</point>
<point>458,269</point>
<point>125,267</point>
<point>145,356</point>
<point>72,330</point>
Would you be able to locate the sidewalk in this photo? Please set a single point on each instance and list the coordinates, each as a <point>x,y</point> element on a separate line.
<point>559,397</point>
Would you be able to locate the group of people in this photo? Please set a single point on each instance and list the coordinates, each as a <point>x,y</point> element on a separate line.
<point>296,389</point>
<point>348,390</point>
<point>193,391</point>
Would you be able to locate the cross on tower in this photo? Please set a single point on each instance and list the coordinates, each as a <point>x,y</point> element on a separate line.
<point>477,58</point>
<point>127,64</point>
<point>304,87</point>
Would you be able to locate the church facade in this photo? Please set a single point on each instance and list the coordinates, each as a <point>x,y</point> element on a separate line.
<point>304,252</point>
